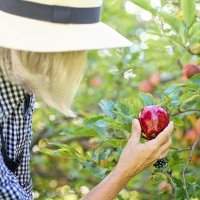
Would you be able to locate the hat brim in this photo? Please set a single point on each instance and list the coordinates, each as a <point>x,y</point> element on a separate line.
<point>38,36</point>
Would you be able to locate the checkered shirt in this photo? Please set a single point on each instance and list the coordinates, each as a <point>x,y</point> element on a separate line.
<point>17,133</point>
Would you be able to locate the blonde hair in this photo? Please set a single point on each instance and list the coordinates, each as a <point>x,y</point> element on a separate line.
<point>55,77</point>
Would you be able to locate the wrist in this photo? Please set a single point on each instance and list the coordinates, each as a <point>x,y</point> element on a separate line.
<point>123,174</point>
<point>128,171</point>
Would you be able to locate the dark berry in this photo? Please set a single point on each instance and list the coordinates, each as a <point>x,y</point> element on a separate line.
<point>160,164</point>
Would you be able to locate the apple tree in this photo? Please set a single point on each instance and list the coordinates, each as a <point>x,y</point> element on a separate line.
<point>161,68</point>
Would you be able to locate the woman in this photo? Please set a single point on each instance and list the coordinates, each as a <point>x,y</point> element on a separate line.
<point>43,53</point>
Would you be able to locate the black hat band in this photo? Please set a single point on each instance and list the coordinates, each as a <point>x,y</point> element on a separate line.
<point>51,13</point>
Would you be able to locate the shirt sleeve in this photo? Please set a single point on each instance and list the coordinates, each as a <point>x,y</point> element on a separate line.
<point>10,97</point>
<point>10,189</point>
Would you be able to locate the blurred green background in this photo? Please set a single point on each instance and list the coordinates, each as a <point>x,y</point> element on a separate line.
<point>70,156</point>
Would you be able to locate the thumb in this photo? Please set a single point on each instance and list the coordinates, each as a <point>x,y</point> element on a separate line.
<point>136,130</point>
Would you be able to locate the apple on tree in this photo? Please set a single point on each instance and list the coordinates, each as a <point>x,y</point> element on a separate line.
<point>155,79</point>
<point>190,70</point>
<point>146,86</point>
<point>191,136</point>
<point>95,81</point>
<point>164,186</point>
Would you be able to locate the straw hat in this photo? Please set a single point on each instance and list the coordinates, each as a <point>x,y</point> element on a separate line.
<point>55,26</point>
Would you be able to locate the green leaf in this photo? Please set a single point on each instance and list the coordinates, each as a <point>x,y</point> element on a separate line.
<point>147,99</point>
<point>171,90</point>
<point>107,107</point>
<point>145,5</point>
<point>171,20</point>
<point>190,102</point>
<point>188,8</point>
<point>194,29</point>
<point>114,142</point>
<point>196,79</point>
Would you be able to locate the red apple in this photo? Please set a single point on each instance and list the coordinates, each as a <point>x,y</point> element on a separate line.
<point>191,136</point>
<point>196,160</point>
<point>153,119</point>
<point>190,70</point>
<point>155,79</point>
<point>164,186</point>
<point>146,86</point>
<point>197,126</point>
<point>96,81</point>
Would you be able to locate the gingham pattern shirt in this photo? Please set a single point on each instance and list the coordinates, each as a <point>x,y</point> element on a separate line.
<point>17,132</point>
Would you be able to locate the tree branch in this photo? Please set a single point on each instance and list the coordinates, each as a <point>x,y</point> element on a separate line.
<point>187,165</point>
<point>185,111</point>
<point>180,150</point>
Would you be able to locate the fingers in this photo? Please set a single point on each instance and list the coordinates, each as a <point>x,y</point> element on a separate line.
<point>164,155</point>
<point>164,149</point>
<point>163,137</point>
<point>136,130</point>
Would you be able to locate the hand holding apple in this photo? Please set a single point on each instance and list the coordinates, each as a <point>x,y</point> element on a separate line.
<point>153,119</point>
<point>137,156</point>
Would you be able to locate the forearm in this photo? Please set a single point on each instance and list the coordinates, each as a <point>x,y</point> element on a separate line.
<point>109,187</point>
